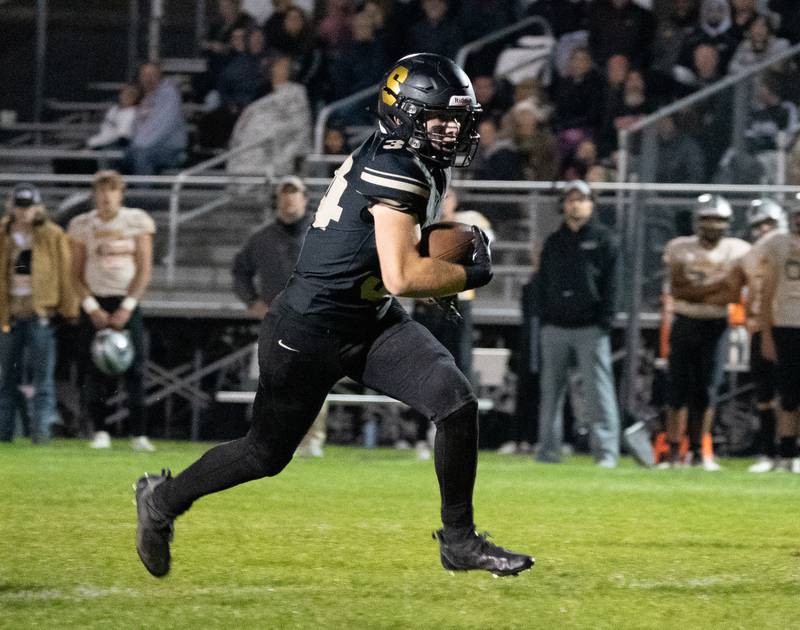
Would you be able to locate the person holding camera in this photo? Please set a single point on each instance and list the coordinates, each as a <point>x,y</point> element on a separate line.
<point>112,252</point>
<point>35,286</point>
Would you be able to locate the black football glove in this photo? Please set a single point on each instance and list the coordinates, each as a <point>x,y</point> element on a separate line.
<point>479,272</point>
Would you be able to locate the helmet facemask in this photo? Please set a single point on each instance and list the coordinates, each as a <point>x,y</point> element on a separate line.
<point>410,120</point>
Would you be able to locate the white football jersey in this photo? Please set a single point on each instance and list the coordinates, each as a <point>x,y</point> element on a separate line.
<point>704,266</point>
<point>783,254</point>
<point>753,265</point>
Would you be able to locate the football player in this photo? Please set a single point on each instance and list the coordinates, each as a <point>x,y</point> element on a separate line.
<point>765,218</point>
<point>338,317</point>
<point>780,332</point>
<point>699,269</point>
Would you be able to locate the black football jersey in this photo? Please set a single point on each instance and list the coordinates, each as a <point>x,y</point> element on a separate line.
<point>337,279</point>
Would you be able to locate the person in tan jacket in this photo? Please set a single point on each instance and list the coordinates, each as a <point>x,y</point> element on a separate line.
<point>35,286</point>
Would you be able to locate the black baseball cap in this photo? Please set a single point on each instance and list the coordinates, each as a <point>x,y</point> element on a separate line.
<point>25,195</point>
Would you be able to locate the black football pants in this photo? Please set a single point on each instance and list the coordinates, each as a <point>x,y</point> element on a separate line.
<point>299,363</point>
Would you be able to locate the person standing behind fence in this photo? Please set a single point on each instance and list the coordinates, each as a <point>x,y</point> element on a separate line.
<point>35,286</point>
<point>263,266</point>
<point>575,297</point>
<point>699,269</point>
<point>780,332</point>
<point>112,252</point>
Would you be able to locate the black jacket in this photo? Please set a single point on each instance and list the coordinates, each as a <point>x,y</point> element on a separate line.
<point>578,277</point>
<point>268,258</point>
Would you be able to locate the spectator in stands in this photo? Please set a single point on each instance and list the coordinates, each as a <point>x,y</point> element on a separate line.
<point>574,98</point>
<point>706,69</point>
<point>760,44</point>
<point>492,96</point>
<point>242,80</point>
<point>698,268</point>
<point>671,33</point>
<point>715,29</point>
<point>112,259</point>
<point>620,27</point>
<point>263,266</point>
<point>532,140</point>
<point>780,332</point>
<point>743,14</point>
<point>617,67</point>
<point>580,161</point>
<point>334,143</point>
<point>772,115</point>
<point>360,65</point>
<point>282,119</point>
<point>532,91</point>
<point>334,29</point>
<point>35,287</point>
<point>384,14</point>
<point>709,121</point>
<point>275,25</point>
<point>215,46</point>
<point>481,166</point>
<point>117,126</point>
<point>297,40</point>
<point>436,32</point>
<point>575,297</point>
<point>633,105</point>
<point>159,130</point>
<point>680,158</point>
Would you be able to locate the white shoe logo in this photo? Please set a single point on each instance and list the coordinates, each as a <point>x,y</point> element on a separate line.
<point>283,345</point>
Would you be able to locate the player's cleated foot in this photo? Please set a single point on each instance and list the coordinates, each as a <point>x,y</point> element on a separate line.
<point>762,465</point>
<point>475,552</point>
<point>154,529</point>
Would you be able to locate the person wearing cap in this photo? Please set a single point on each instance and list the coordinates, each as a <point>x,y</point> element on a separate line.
<point>699,270</point>
<point>780,332</point>
<point>575,296</point>
<point>263,266</point>
<point>35,286</point>
<point>112,251</point>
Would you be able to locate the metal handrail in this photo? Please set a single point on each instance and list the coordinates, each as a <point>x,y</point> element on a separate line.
<point>624,134</point>
<point>181,179</point>
<point>466,49</point>
<point>325,113</point>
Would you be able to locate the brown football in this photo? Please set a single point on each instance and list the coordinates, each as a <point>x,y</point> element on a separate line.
<point>449,240</point>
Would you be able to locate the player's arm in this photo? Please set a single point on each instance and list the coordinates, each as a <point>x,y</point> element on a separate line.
<point>404,272</point>
<point>729,289</point>
<point>684,288</point>
<point>143,257</point>
<point>767,320</point>
<point>89,304</point>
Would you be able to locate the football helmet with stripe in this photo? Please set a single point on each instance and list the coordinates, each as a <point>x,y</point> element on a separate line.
<point>421,97</point>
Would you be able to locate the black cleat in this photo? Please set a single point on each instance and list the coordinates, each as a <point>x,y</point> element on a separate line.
<point>475,552</point>
<point>154,528</point>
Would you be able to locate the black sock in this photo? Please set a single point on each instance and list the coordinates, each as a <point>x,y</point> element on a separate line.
<point>222,467</point>
<point>456,459</point>
<point>674,451</point>
<point>788,447</point>
<point>766,432</point>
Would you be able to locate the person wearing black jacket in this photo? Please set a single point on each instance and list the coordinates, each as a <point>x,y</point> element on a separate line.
<point>575,299</point>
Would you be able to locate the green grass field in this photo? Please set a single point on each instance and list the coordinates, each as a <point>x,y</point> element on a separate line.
<point>345,542</point>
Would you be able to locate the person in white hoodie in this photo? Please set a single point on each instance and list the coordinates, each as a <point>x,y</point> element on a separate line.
<point>117,126</point>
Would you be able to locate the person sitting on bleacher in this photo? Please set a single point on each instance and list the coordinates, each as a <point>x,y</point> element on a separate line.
<point>159,129</point>
<point>117,126</point>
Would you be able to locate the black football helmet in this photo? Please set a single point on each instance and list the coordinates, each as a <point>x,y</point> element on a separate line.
<point>422,87</point>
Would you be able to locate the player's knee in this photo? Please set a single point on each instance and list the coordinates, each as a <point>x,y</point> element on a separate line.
<point>466,411</point>
<point>266,460</point>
